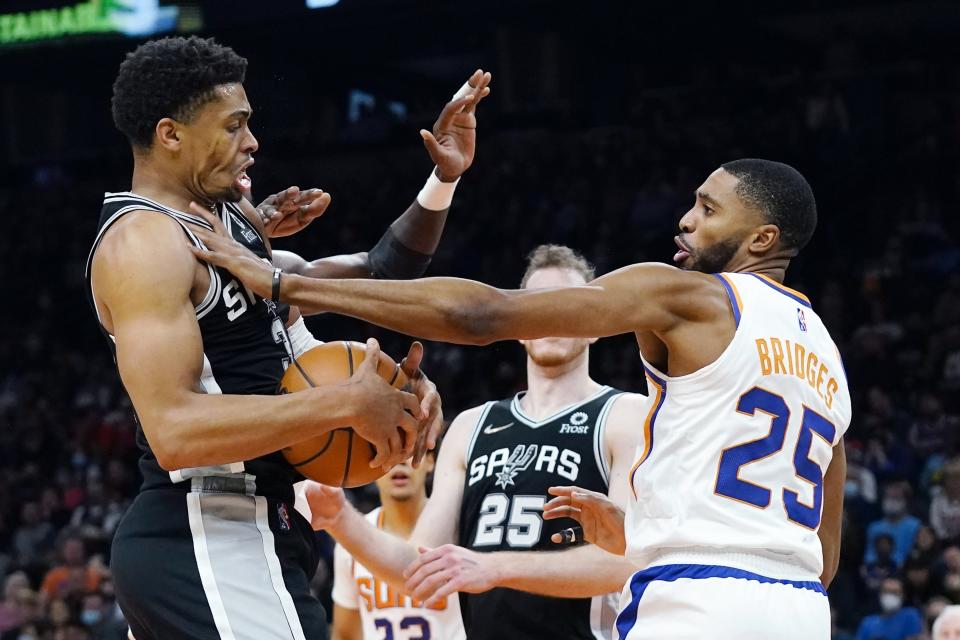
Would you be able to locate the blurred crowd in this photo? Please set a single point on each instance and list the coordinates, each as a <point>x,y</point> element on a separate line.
<point>877,142</point>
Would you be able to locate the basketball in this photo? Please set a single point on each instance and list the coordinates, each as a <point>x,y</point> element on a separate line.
<point>340,457</point>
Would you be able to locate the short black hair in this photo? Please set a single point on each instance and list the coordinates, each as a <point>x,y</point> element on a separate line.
<point>170,78</point>
<point>781,194</point>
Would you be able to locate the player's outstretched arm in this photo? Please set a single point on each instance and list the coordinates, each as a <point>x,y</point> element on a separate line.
<point>384,554</point>
<point>642,297</point>
<point>142,274</point>
<point>579,572</point>
<point>832,520</point>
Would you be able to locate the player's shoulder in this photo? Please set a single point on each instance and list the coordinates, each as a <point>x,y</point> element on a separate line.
<point>622,418</point>
<point>462,427</point>
<point>465,421</point>
<point>144,244</point>
<point>373,516</point>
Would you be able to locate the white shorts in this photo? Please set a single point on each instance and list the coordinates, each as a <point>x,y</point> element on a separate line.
<point>689,601</point>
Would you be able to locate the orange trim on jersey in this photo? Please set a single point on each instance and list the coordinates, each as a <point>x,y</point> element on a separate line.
<point>783,287</point>
<point>648,429</point>
<point>380,519</point>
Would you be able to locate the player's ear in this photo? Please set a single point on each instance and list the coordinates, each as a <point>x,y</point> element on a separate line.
<point>168,134</point>
<point>764,239</point>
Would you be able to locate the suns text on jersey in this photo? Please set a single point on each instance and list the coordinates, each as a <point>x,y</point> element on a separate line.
<point>377,594</point>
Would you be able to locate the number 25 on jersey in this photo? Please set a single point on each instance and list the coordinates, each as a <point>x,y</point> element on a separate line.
<point>730,485</point>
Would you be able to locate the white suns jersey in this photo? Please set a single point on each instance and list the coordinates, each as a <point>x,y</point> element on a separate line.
<point>385,613</point>
<point>734,454</point>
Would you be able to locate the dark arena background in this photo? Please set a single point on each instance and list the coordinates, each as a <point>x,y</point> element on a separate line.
<point>603,119</point>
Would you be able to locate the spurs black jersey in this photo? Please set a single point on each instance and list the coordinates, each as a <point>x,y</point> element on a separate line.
<point>511,462</point>
<point>245,349</point>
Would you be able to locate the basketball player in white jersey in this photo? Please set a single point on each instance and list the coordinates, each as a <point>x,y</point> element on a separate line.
<point>368,608</point>
<point>510,587</point>
<point>736,494</point>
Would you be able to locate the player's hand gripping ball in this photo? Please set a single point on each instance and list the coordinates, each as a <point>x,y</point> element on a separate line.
<point>340,457</point>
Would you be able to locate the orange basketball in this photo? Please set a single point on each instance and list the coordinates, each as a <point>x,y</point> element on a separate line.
<point>340,457</point>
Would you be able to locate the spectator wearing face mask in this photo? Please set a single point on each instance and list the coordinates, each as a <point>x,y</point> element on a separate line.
<point>895,622</point>
<point>97,617</point>
<point>947,624</point>
<point>945,506</point>
<point>896,522</point>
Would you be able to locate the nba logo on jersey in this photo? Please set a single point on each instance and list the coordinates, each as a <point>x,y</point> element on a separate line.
<point>284,517</point>
<point>801,319</point>
<point>248,235</point>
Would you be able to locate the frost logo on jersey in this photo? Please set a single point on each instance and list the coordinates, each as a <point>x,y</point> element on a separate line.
<point>801,319</point>
<point>519,460</point>
<point>578,424</point>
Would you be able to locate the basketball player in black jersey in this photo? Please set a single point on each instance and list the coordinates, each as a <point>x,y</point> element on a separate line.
<point>481,533</point>
<point>211,548</point>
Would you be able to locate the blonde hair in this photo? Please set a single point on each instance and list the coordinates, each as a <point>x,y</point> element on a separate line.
<point>556,256</point>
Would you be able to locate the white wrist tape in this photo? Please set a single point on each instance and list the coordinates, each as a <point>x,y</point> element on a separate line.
<point>463,91</point>
<point>435,194</point>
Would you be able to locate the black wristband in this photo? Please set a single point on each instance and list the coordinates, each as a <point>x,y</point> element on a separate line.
<point>275,291</point>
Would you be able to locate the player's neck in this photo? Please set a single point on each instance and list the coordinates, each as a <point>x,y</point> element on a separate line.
<point>400,516</point>
<point>150,180</point>
<point>774,267</point>
<point>550,389</point>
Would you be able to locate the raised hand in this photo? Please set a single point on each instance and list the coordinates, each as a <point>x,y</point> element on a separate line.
<point>291,210</point>
<point>431,408</point>
<point>384,416</point>
<point>453,141</point>
<point>600,518</point>
<point>326,503</point>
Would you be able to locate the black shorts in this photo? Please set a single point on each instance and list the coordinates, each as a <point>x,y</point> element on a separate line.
<point>206,563</point>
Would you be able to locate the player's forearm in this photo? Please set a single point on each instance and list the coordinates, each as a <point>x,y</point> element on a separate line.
<point>583,572</point>
<point>385,555</point>
<point>202,430</point>
<point>445,309</point>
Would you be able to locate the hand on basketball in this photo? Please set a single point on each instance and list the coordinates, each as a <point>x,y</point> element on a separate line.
<point>438,573</point>
<point>386,417</point>
<point>600,518</point>
<point>431,409</point>
<point>326,504</point>
<point>291,210</point>
<point>222,250</point>
<point>453,141</point>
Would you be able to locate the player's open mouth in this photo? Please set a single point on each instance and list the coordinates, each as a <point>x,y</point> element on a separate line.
<point>243,181</point>
<point>683,253</point>
<point>400,478</point>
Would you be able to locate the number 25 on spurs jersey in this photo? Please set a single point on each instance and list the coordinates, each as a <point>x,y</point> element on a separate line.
<point>734,454</point>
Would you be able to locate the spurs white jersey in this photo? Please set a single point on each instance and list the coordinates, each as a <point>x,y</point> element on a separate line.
<point>734,454</point>
<point>386,613</point>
